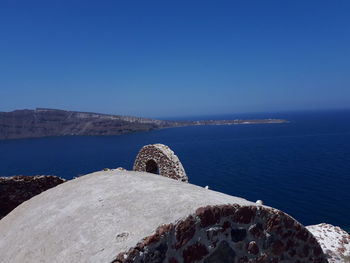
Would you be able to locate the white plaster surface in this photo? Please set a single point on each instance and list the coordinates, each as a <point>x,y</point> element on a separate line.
<point>95,217</point>
<point>335,242</point>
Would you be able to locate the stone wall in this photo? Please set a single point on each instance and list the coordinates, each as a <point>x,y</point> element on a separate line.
<point>160,159</point>
<point>17,189</point>
<point>229,233</point>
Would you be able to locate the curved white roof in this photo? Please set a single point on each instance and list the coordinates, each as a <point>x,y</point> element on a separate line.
<point>95,217</point>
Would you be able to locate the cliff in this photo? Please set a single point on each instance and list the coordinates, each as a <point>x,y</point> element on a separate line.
<point>49,122</point>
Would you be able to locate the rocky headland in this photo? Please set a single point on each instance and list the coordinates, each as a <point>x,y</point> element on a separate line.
<point>50,122</point>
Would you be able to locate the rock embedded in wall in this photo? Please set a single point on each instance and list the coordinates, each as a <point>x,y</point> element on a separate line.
<point>160,159</point>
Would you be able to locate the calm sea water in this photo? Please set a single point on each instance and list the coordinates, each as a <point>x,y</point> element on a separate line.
<point>301,167</point>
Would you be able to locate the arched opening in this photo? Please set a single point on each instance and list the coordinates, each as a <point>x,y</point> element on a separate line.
<point>164,162</point>
<point>152,167</point>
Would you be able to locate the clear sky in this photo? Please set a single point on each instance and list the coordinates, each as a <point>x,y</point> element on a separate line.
<point>175,58</point>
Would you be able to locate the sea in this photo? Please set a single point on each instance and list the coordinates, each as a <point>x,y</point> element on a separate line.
<point>301,167</point>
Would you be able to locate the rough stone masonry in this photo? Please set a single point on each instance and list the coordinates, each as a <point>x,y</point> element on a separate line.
<point>160,159</point>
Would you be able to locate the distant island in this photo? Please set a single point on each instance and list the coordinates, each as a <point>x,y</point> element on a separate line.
<point>43,122</point>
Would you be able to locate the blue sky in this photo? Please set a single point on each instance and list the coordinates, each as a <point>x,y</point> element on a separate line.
<point>175,58</point>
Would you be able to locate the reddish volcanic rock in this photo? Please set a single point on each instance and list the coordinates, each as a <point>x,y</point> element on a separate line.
<point>194,253</point>
<point>245,214</point>
<point>17,189</point>
<point>185,231</point>
<point>253,248</point>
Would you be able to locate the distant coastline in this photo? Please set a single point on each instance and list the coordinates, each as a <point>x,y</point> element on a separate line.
<point>43,122</point>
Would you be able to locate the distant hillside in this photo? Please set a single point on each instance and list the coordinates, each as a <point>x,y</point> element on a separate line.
<point>50,122</point>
